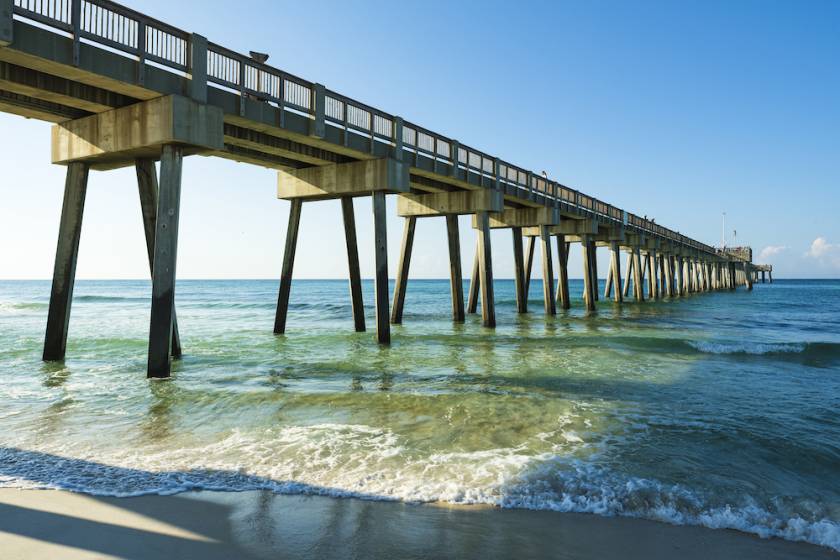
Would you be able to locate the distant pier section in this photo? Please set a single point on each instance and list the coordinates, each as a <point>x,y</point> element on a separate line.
<point>125,89</point>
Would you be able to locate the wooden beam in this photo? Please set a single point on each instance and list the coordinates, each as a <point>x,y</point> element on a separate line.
<point>402,270</point>
<point>67,251</point>
<point>288,267</point>
<point>456,283</point>
<point>166,257</point>
<point>356,297</point>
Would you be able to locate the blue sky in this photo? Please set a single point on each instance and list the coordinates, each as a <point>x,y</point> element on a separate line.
<point>676,110</point>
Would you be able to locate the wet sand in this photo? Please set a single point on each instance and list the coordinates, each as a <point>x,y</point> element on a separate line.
<point>211,525</point>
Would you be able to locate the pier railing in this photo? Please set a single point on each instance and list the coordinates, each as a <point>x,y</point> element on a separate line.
<point>148,40</point>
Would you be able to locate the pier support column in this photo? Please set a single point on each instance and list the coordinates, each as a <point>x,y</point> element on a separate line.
<point>288,266</point>
<point>548,271</point>
<point>529,265</point>
<point>488,307</point>
<point>356,297</point>
<point>456,282</point>
<point>380,239</point>
<point>615,270</point>
<point>638,285</point>
<point>653,281</point>
<point>475,281</point>
<point>519,270</point>
<point>147,185</point>
<point>64,271</point>
<point>593,261</point>
<point>626,289</point>
<point>563,272</point>
<point>748,279</point>
<point>588,282</point>
<point>402,270</point>
<point>666,276</point>
<point>165,259</point>
<point>763,277</point>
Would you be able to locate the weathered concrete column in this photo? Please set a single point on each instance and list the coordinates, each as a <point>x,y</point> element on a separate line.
<point>748,280</point>
<point>763,276</point>
<point>563,272</point>
<point>653,281</point>
<point>288,266</point>
<point>548,271</point>
<point>475,281</point>
<point>402,270</point>
<point>519,270</point>
<point>380,235</point>
<point>356,297</point>
<point>147,185</point>
<point>615,269</point>
<point>593,261</point>
<point>488,306</point>
<point>638,285</point>
<point>630,272</point>
<point>589,288</point>
<point>67,251</point>
<point>666,275</point>
<point>660,261</point>
<point>166,257</point>
<point>456,283</point>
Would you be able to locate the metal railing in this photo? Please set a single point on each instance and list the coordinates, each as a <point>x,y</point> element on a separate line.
<point>125,30</point>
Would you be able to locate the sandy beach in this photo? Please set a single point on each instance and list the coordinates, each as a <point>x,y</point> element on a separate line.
<point>209,525</point>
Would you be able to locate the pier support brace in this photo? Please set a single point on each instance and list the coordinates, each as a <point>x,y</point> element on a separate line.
<point>456,283</point>
<point>356,297</point>
<point>588,281</point>
<point>519,271</point>
<point>402,270</point>
<point>64,273</point>
<point>653,280</point>
<point>380,239</point>
<point>593,261</point>
<point>166,257</point>
<point>548,271</point>
<point>485,261</point>
<point>147,184</point>
<point>563,272</point>
<point>475,281</point>
<point>529,265</point>
<point>630,272</point>
<point>638,286</point>
<point>288,266</point>
<point>615,271</point>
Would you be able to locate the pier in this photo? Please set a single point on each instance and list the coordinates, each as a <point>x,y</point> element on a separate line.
<point>125,89</point>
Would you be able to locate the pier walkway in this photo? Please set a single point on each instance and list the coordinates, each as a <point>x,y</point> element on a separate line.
<point>125,89</point>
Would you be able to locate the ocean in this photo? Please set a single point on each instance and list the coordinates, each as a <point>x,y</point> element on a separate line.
<point>720,409</point>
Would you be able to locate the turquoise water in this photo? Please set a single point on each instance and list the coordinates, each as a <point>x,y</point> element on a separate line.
<point>720,409</point>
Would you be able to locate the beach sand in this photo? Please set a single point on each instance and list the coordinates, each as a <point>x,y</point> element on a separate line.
<point>209,525</point>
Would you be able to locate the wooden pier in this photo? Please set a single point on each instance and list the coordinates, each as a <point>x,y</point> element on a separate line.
<point>125,89</point>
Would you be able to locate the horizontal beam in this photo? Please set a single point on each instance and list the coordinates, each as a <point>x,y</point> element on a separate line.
<point>357,178</point>
<point>116,138</point>
<point>566,227</point>
<point>448,203</point>
<point>523,217</point>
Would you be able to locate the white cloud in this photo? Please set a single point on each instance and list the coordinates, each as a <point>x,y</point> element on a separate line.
<point>770,251</point>
<point>827,254</point>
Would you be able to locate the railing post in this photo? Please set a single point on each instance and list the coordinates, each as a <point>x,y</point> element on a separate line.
<point>318,127</point>
<point>141,53</point>
<point>398,139</point>
<point>6,22</point>
<point>198,68</point>
<point>454,147</point>
<point>76,22</point>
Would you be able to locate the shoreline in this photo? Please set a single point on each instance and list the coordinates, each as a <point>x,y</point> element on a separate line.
<point>260,524</point>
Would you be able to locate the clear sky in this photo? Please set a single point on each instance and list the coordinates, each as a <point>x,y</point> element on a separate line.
<point>674,110</point>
